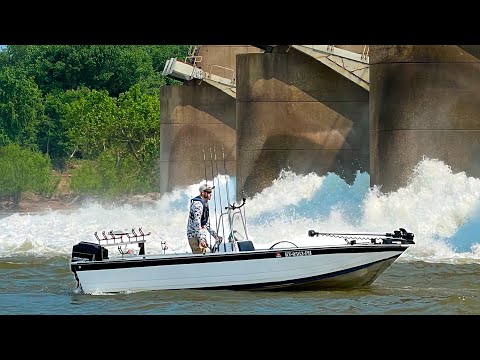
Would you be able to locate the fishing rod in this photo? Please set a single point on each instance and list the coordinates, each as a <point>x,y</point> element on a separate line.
<point>215,197</point>
<point>218,175</point>
<point>230,219</point>
<point>206,203</point>
<point>398,234</point>
<point>244,216</point>
<point>225,171</point>
<point>205,165</point>
<point>219,193</point>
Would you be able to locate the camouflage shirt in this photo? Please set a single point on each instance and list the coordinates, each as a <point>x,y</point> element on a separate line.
<point>194,228</point>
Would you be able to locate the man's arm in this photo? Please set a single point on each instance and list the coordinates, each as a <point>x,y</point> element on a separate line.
<point>211,231</point>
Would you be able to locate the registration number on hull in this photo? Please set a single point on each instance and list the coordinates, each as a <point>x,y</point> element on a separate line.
<point>298,253</point>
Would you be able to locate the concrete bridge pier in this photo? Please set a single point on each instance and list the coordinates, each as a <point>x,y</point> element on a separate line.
<point>194,119</point>
<point>197,117</point>
<point>295,113</point>
<point>424,101</point>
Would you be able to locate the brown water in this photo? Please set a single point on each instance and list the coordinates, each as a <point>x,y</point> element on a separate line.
<point>32,286</point>
<point>439,275</point>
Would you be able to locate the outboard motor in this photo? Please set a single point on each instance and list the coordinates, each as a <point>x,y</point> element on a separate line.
<point>89,251</point>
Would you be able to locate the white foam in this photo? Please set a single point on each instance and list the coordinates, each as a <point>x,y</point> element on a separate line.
<point>440,207</point>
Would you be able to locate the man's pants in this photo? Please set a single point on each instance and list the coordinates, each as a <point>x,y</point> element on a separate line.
<point>194,245</point>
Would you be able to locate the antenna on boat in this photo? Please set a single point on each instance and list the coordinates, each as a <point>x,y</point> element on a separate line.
<point>205,165</point>
<point>213,182</point>
<point>245,213</point>
<point>206,179</point>
<point>225,171</point>
<point>230,219</point>
<point>219,194</point>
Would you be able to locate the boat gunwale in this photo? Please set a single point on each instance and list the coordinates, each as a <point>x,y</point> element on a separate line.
<point>189,258</point>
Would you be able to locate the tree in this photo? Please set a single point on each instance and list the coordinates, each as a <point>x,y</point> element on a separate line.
<point>23,170</point>
<point>87,102</point>
<point>21,108</point>
<point>114,68</point>
<point>124,140</point>
<point>86,118</point>
<point>137,124</point>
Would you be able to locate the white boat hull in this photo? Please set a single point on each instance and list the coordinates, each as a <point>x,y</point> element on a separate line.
<point>299,268</point>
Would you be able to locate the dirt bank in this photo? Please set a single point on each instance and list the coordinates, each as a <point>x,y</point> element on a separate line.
<point>37,203</point>
<point>63,199</point>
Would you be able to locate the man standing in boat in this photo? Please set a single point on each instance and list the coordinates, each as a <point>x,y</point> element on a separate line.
<point>199,221</point>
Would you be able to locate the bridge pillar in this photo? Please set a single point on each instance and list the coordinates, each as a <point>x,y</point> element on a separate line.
<point>194,119</point>
<point>424,101</point>
<point>295,113</point>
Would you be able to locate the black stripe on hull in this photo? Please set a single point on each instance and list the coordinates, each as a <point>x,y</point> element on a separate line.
<point>225,257</point>
<point>353,277</point>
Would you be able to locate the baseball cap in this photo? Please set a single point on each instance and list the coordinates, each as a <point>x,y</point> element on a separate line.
<point>205,187</point>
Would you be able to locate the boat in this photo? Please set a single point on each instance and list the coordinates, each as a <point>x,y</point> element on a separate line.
<point>352,260</point>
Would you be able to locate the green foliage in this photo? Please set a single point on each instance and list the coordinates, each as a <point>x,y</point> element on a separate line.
<point>114,68</point>
<point>151,85</point>
<point>3,57</point>
<point>86,179</point>
<point>21,108</point>
<point>95,122</point>
<point>123,137</point>
<point>23,170</point>
<point>112,176</point>
<point>86,120</point>
<point>52,135</point>
<point>88,102</point>
<point>137,126</point>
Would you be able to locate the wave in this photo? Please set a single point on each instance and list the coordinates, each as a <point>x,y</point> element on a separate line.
<point>440,207</point>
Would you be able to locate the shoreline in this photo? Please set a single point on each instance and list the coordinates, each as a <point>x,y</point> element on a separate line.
<point>37,204</point>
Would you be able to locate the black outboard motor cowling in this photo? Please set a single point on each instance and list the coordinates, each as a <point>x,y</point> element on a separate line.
<point>89,251</point>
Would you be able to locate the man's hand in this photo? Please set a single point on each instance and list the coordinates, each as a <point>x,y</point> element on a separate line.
<point>219,239</point>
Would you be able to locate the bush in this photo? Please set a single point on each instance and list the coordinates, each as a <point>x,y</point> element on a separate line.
<point>112,176</point>
<point>85,178</point>
<point>23,170</point>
